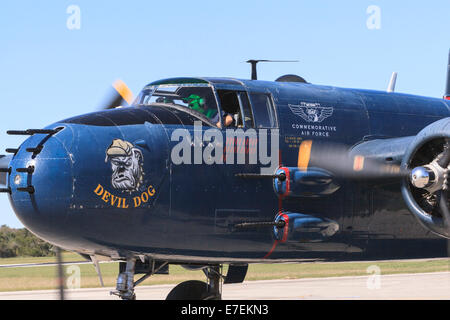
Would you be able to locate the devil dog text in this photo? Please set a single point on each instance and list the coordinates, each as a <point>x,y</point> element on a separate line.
<point>120,202</point>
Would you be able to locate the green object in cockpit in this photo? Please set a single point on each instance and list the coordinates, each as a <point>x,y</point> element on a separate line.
<point>196,103</point>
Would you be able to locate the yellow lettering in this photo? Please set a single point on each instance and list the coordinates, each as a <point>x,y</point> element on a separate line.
<point>114,199</point>
<point>124,204</point>
<point>99,190</point>
<point>119,202</point>
<point>151,191</point>
<point>138,202</point>
<point>144,197</point>
<point>106,196</point>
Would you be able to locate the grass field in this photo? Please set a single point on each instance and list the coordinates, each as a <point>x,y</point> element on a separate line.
<point>44,277</point>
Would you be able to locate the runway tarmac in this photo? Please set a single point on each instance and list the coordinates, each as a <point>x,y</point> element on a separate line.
<point>374,287</point>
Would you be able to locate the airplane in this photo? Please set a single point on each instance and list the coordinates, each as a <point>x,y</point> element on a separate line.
<point>205,172</point>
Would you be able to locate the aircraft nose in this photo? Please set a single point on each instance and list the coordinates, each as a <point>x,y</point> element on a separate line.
<point>91,185</point>
<point>41,183</point>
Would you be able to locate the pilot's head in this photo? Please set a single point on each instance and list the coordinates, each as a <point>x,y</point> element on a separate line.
<point>196,103</point>
<point>126,164</point>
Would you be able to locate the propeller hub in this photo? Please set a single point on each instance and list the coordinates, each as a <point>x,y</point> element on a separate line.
<point>430,177</point>
<point>421,177</point>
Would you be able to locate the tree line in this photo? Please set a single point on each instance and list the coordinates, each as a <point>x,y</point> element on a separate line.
<point>21,242</point>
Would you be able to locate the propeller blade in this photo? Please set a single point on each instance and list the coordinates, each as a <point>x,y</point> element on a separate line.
<point>340,161</point>
<point>4,167</point>
<point>120,95</point>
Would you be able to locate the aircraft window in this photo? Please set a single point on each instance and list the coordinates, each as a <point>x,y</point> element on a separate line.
<point>248,116</point>
<point>231,108</point>
<point>200,100</point>
<point>263,110</point>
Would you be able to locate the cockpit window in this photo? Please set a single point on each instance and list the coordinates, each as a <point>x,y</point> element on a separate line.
<point>197,99</point>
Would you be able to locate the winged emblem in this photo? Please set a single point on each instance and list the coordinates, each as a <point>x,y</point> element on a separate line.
<point>311,112</point>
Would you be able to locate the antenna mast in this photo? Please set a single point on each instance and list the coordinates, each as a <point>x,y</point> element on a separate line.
<point>254,62</point>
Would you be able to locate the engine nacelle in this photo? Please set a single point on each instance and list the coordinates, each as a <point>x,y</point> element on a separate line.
<point>422,189</point>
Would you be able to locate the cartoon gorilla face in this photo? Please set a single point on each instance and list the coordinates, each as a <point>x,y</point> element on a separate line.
<point>127,171</point>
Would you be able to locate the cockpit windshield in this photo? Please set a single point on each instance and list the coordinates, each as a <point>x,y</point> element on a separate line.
<point>197,99</point>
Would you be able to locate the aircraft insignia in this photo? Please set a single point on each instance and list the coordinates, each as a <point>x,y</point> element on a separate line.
<point>311,112</point>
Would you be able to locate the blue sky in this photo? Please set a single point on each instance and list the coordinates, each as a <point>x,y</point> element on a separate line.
<point>49,72</point>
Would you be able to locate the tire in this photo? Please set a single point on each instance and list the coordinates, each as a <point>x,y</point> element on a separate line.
<point>189,290</point>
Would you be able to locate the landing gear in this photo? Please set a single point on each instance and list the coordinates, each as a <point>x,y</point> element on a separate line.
<point>125,281</point>
<point>199,290</point>
<point>188,290</point>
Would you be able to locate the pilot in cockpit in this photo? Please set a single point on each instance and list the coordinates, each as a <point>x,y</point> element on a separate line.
<point>230,110</point>
<point>228,119</point>
<point>200,104</point>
